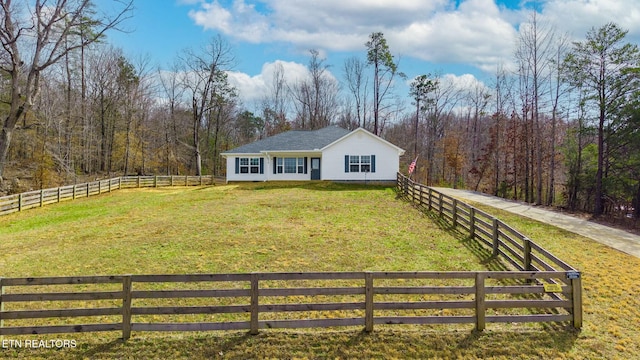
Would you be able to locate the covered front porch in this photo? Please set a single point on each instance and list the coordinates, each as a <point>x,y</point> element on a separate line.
<point>291,165</point>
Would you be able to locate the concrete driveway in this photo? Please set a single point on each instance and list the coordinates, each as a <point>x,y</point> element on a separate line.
<point>615,238</point>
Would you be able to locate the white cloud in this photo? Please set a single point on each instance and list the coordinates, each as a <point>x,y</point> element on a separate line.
<point>254,88</point>
<point>430,30</point>
<point>241,21</point>
<point>577,17</point>
<point>473,32</point>
<point>213,16</point>
<point>464,81</point>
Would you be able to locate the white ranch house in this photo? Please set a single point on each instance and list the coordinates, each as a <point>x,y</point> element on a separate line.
<point>331,153</point>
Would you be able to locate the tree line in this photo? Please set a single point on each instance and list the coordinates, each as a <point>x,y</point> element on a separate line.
<point>560,129</point>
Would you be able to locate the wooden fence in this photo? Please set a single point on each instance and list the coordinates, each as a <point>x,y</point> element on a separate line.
<point>505,242</point>
<point>542,288</point>
<point>40,198</point>
<point>271,300</point>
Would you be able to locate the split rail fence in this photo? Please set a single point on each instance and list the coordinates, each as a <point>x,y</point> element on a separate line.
<point>476,298</point>
<point>39,198</point>
<point>542,288</point>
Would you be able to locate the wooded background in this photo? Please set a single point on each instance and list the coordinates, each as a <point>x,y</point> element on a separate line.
<point>561,129</point>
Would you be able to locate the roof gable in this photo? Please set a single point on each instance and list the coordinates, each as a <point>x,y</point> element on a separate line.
<point>365,131</point>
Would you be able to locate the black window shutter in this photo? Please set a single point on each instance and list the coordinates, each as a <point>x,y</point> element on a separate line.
<point>346,163</point>
<point>373,163</point>
<point>305,165</point>
<point>237,165</point>
<point>275,164</point>
<point>261,165</point>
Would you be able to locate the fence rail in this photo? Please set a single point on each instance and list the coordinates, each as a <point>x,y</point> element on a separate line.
<point>39,198</point>
<point>542,288</point>
<point>270,300</point>
<point>520,252</point>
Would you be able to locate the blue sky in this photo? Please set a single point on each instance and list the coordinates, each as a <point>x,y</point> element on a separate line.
<point>460,38</point>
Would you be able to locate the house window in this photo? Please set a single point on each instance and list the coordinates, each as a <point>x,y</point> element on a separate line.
<point>365,163</point>
<point>254,165</point>
<point>360,163</point>
<point>249,166</point>
<point>290,165</point>
<point>280,165</point>
<point>354,163</point>
<point>244,165</point>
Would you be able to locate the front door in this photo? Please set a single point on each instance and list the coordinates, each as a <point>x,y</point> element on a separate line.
<point>315,168</point>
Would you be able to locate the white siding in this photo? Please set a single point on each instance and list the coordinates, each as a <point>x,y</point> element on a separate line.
<point>360,142</point>
<point>332,161</point>
<point>268,169</point>
<point>231,170</point>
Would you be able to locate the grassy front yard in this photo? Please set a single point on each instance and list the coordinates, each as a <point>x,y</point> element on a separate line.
<point>304,227</point>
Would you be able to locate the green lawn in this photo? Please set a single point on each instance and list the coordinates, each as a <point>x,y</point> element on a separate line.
<point>228,229</point>
<point>310,227</point>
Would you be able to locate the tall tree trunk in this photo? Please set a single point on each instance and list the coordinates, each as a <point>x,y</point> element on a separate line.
<point>5,140</point>
<point>599,204</point>
<point>552,164</point>
<point>196,143</point>
<point>636,203</point>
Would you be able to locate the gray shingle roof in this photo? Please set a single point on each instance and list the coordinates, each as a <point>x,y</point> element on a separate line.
<point>294,140</point>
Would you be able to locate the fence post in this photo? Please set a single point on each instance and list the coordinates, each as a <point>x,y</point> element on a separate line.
<point>110,184</point>
<point>429,195</point>
<point>368,302</point>
<point>440,205</point>
<point>126,307</point>
<point>138,180</point>
<point>527,254</point>
<point>41,197</point>
<point>472,222</point>
<point>200,180</point>
<point>74,192</point>
<point>480,304</point>
<point>171,180</point>
<point>254,304</point>
<point>20,202</point>
<point>495,236</point>
<point>87,189</point>
<point>58,194</point>
<point>1,303</point>
<point>454,215</point>
<point>576,297</point>
<point>155,181</point>
<point>99,187</point>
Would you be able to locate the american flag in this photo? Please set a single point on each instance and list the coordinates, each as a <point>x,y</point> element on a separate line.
<point>412,166</point>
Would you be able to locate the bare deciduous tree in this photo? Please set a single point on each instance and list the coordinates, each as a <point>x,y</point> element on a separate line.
<point>315,98</point>
<point>204,80</point>
<point>357,84</point>
<point>42,29</point>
